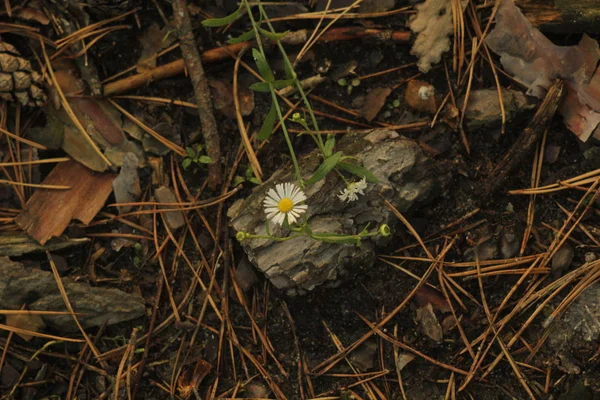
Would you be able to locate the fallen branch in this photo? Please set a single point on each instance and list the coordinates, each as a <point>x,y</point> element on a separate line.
<point>224,53</point>
<point>562,16</point>
<point>193,63</point>
<point>526,141</point>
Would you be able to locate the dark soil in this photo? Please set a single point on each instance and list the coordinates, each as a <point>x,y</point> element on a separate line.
<point>304,337</point>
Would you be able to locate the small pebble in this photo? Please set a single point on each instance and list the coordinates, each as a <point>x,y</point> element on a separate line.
<point>562,260</point>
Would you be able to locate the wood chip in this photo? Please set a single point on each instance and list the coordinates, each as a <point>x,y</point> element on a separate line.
<point>49,212</point>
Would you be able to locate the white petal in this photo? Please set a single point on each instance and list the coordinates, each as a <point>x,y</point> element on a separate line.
<point>343,194</point>
<point>362,184</point>
<point>273,195</point>
<point>269,202</point>
<point>291,218</point>
<point>298,197</point>
<point>278,219</point>
<point>271,211</point>
<point>301,207</point>
<point>280,191</point>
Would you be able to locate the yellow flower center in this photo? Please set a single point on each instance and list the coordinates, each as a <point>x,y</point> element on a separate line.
<point>285,205</point>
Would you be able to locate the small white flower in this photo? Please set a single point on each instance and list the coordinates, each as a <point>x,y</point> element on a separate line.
<point>351,192</point>
<point>284,202</point>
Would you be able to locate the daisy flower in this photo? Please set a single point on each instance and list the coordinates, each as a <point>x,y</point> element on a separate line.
<point>352,190</point>
<point>284,202</point>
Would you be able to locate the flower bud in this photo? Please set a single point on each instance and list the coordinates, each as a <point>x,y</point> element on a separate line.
<point>241,236</point>
<point>385,230</point>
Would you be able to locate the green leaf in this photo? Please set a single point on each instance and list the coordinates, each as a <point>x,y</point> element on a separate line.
<point>216,22</point>
<point>244,37</point>
<point>237,180</point>
<point>268,124</point>
<point>324,168</point>
<point>262,87</point>
<point>190,152</point>
<point>205,160</point>
<point>254,180</point>
<point>282,83</point>
<point>358,170</point>
<point>329,143</point>
<point>186,163</point>
<point>289,71</point>
<point>263,66</point>
<point>272,35</point>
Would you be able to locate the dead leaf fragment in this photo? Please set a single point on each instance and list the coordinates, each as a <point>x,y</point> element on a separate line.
<point>153,40</point>
<point>49,212</point>
<point>535,61</point>
<point>190,380</point>
<point>429,323</point>
<point>374,102</point>
<point>222,94</point>
<point>428,295</point>
<point>33,323</point>
<point>174,219</point>
<point>32,14</point>
<point>126,186</point>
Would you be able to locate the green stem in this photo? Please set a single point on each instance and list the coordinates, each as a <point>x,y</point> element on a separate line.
<point>289,66</point>
<point>274,96</point>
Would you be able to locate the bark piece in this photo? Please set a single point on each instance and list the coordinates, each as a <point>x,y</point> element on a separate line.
<point>38,289</point>
<point>17,244</point>
<point>406,178</point>
<point>49,211</point>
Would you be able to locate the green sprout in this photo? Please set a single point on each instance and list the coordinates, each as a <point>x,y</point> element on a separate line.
<point>194,155</point>
<point>249,177</point>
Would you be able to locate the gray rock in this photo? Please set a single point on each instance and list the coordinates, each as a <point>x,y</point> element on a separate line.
<point>562,259</point>
<point>406,178</point>
<point>174,219</point>
<point>36,288</point>
<point>580,323</point>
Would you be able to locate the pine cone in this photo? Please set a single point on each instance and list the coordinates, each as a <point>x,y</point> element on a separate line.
<point>18,81</point>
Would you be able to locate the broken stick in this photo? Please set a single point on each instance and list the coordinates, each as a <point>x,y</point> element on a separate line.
<point>526,141</point>
<point>223,53</point>
<point>193,63</point>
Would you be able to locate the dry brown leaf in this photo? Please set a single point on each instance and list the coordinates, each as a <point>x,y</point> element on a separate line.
<point>374,101</point>
<point>33,323</point>
<point>222,94</point>
<point>153,40</point>
<point>535,61</point>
